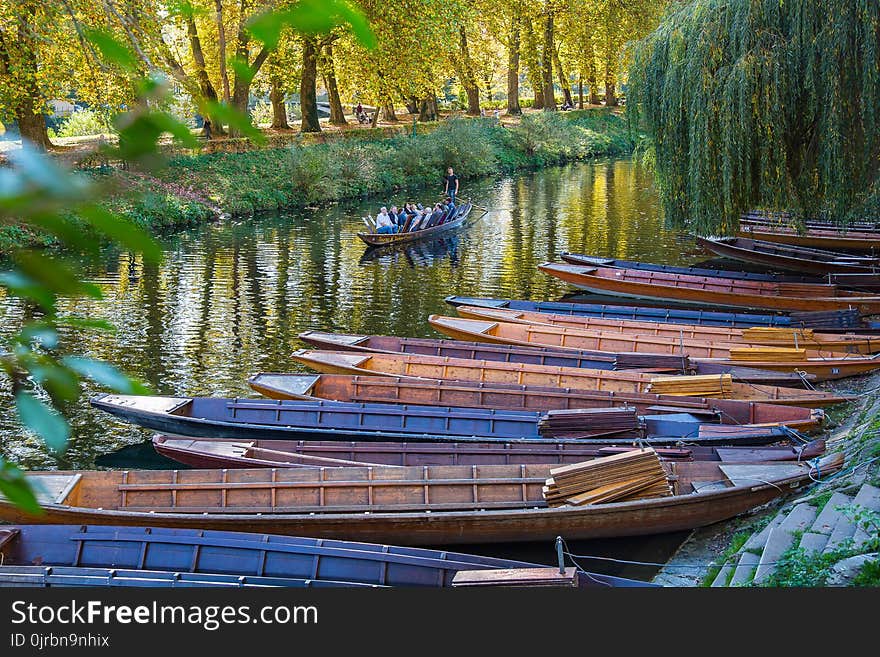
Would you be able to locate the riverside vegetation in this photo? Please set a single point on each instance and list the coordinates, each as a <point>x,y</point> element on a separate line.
<point>192,188</point>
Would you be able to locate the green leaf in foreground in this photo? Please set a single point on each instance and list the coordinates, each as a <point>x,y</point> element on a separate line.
<point>111,49</point>
<point>43,421</point>
<point>123,232</point>
<point>312,17</point>
<point>15,487</point>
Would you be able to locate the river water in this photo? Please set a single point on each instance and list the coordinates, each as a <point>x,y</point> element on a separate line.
<point>229,299</point>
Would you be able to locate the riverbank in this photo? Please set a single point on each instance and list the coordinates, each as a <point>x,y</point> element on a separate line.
<point>193,189</point>
<point>730,553</point>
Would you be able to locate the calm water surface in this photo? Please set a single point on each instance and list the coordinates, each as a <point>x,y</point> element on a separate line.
<point>229,299</point>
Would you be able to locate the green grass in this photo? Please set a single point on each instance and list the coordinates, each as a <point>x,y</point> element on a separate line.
<point>736,542</point>
<point>869,575</point>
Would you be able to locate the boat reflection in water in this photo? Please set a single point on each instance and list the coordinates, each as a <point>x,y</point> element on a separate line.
<point>417,254</point>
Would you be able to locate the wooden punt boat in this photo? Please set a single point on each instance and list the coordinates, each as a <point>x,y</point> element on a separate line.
<point>717,292</point>
<point>433,505</point>
<point>377,239</point>
<point>822,238</point>
<point>430,367</point>
<point>538,355</point>
<point>269,419</point>
<point>147,556</point>
<point>784,218</point>
<point>863,282</point>
<point>476,394</point>
<point>840,266</point>
<point>834,320</point>
<point>311,454</point>
<point>797,338</point>
<point>824,365</point>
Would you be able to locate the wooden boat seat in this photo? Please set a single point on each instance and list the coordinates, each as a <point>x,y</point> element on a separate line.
<point>54,489</point>
<point>530,577</point>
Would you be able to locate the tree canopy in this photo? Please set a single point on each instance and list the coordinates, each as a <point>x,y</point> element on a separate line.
<point>762,104</point>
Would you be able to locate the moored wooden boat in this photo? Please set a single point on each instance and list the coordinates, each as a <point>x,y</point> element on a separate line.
<point>312,454</point>
<point>841,267</point>
<point>430,367</point>
<point>788,337</point>
<point>267,419</point>
<point>824,365</point>
<point>433,505</point>
<point>864,282</point>
<point>833,320</point>
<point>478,394</point>
<point>140,556</point>
<point>705,290</point>
<point>540,355</point>
<point>816,236</point>
<point>387,239</point>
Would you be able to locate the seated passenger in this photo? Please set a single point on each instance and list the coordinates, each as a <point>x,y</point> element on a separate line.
<point>384,224</point>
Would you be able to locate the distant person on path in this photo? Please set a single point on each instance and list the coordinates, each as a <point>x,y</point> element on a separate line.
<point>451,184</point>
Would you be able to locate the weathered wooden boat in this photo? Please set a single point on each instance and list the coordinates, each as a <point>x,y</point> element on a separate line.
<point>863,282</point>
<point>843,268</point>
<point>312,454</point>
<point>79,555</point>
<point>477,394</point>
<point>431,367</point>
<point>717,292</point>
<point>539,355</point>
<point>387,239</point>
<point>833,320</point>
<point>797,338</point>
<point>824,365</point>
<point>785,218</point>
<point>433,505</point>
<point>817,237</point>
<point>268,419</point>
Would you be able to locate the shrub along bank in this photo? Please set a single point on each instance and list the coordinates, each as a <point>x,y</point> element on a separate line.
<point>193,188</point>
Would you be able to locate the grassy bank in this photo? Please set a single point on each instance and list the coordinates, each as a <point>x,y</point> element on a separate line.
<point>193,189</point>
<point>241,183</point>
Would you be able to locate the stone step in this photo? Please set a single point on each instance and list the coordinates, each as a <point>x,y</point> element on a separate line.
<point>782,537</point>
<point>868,497</point>
<point>813,542</point>
<point>829,515</point>
<point>724,574</point>
<point>744,569</point>
<point>758,540</point>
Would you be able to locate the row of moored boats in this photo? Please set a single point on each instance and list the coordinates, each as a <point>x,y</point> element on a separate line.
<point>527,421</point>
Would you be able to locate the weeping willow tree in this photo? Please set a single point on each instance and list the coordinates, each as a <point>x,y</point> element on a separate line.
<point>762,104</point>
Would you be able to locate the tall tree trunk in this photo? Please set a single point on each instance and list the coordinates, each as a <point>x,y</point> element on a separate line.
<point>563,79</point>
<point>388,114</point>
<point>241,88</point>
<point>580,92</point>
<point>592,74</point>
<point>466,73</point>
<point>221,45</point>
<point>209,93</point>
<point>610,72</point>
<point>31,124</point>
<point>279,107</point>
<point>337,114</point>
<point>426,110</point>
<point>530,51</point>
<point>547,65</point>
<point>308,95</point>
<point>513,107</point>
<point>412,104</point>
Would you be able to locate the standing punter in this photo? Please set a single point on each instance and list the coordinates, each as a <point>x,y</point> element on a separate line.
<point>451,184</point>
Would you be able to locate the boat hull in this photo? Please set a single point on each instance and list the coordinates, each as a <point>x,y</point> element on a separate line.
<point>378,240</point>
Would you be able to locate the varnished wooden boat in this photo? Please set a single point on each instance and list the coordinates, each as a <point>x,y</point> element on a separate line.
<point>267,419</point>
<point>433,505</point>
<point>824,365</point>
<point>776,337</point>
<point>311,454</point>
<point>705,290</point>
<point>431,367</point>
<point>388,239</point>
<point>863,282</point>
<point>538,355</point>
<point>815,237</point>
<point>776,218</point>
<point>843,268</point>
<point>826,321</point>
<point>80,555</point>
<point>478,394</point>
